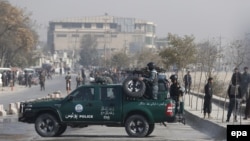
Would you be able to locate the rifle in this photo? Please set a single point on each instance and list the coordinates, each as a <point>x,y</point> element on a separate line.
<point>144,72</point>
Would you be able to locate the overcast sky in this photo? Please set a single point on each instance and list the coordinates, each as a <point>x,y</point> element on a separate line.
<point>202,18</point>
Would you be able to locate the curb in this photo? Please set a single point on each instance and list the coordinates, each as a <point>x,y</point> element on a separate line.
<point>214,130</point>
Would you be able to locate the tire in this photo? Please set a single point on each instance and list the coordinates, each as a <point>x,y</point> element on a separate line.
<point>61,130</point>
<point>137,126</point>
<point>134,87</point>
<point>47,125</point>
<point>151,129</point>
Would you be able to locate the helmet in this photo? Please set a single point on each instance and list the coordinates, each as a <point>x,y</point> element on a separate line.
<point>151,65</point>
<point>173,77</point>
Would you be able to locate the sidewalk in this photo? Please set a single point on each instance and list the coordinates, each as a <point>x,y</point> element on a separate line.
<point>194,106</point>
<point>16,88</point>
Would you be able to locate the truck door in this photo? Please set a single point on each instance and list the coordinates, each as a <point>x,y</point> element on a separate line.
<point>80,107</point>
<point>111,104</point>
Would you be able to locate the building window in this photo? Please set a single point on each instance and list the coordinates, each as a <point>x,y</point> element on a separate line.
<point>99,36</point>
<point>149,40</point>
<point>113,25</point>
<point>61,35</point>
<point>87,25</point>
<point>75,35</point>
<point>150,28</point>
<point>72,25</point>
<point>113,35</point>
<point>99,25</point>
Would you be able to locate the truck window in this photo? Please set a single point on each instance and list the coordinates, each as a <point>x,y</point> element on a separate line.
<point>108,93</point>
<point>84,94</point>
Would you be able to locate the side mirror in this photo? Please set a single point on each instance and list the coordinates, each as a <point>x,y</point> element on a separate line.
<point>70,98</point>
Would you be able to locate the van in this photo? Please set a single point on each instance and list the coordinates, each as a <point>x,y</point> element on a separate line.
<point>29,70</point>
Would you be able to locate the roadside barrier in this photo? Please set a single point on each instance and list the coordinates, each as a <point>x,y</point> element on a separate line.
<point>2,111</point>
<point>14,107</point>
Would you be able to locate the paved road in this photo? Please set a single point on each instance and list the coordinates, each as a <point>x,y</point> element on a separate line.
<point>11,129</point>
<point>22,93</point>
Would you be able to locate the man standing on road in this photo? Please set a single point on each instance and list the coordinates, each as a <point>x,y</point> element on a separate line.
<point>83,76</point>
<point>68,82</point>
<point>42,80</point>
<point>78,80</point>
<point>187,81</point>
<point>208,97</point>
<point>244,85</point>
<point>234,94</point>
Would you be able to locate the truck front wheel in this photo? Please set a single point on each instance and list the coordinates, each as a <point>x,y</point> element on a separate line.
<point>47,125</point>
<point>137,126</point>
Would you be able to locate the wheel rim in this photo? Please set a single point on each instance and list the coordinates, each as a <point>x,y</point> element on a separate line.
<point>134,86</point>
<point>137,126</point>
<point>46,125</point>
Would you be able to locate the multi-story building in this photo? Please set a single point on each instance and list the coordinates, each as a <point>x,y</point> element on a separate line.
<point>112,33</point>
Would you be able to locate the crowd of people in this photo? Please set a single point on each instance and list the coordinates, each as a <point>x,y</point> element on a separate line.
<point>238,93</point>
<point>10,78</point>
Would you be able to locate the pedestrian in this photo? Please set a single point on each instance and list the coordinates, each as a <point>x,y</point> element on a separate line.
<point>29,79</point>
<point>244,85</point>
<point>187,81</point>
<point>234,94</point>
<point>236,77</point>
<point>83,76</point>
<point>176,92</point>
<point>4,79</point>
<point>11,78</point>
<point>78,80</point>
<point>42,80</point>
<point>68,82</point>
<point>207,106</point>
<point>152,79</point>
<point>26,76</point>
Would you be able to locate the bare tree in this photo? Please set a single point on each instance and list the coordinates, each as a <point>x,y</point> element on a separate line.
<point>16,33</point>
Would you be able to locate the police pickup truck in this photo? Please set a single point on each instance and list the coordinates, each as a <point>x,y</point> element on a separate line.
<point>115,105</point>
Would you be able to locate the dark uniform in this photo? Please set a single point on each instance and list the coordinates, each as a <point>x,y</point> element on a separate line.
<point>42,81</point>
<point>68,82</point>
<point>153,79</point>
<point>208,98</point>
<point>234,93</point>
<point>244,85</point>
<point>187,81</point>
<point>175,92</point>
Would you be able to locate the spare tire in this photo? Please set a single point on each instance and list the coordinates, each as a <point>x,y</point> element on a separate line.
<point>134,87</point>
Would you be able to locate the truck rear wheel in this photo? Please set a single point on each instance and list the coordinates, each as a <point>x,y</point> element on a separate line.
<point>47,125</point>
<point>151,129</point>
<point>134,87</point>
<point>61,130</point>
<point>137,126</point>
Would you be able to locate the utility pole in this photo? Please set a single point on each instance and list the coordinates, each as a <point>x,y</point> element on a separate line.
<point>105,39</point>
<point>74,50</point>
